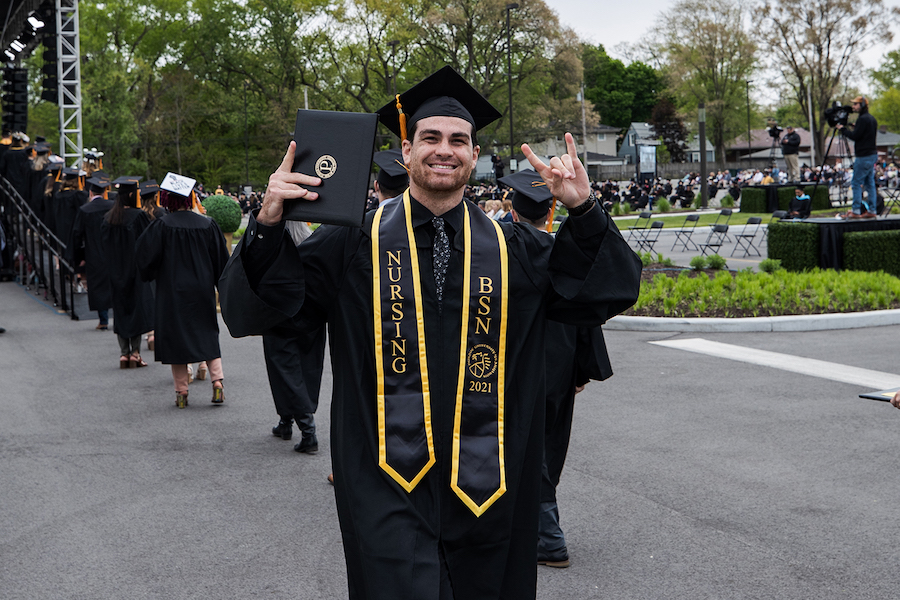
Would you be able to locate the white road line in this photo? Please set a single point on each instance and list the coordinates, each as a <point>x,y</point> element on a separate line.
<point>786,362</point>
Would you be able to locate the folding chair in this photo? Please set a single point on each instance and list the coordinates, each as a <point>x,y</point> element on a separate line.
<point>684,234</point>
<point>778,214</point>
<point>636,232</point>
<point>744,240</point>
<point>891,199</point>
<point>716,239</point>
<point>725,212</point>
<point>650,236</point>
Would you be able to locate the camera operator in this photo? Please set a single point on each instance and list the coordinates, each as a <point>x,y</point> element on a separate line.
<point>863,135</point>
<point>790,149</point>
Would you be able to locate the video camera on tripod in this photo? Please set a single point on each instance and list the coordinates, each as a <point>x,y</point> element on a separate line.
<point>774,130</point>
<point>837,114</point>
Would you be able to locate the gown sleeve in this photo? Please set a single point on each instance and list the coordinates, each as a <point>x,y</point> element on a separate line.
<point>149,251</point>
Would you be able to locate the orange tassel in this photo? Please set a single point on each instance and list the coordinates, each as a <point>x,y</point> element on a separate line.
<point>402,119</point>
<point>549,226</point>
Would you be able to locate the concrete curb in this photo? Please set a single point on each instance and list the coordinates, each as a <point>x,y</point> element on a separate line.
<point>756,324</point>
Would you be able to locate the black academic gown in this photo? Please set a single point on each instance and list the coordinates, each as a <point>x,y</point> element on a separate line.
<point>86,245</point>
<point>65,206</point>
<point>15,165</point>
<point>294,361</point>
<point>419,544</point>
<point>184,253</point>
<point>37,185</point>
<point>132,300</point>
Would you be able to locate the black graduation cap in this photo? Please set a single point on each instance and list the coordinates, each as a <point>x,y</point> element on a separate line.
<point>127,180</point>
<point>532,197</point>
<point>98,182</point>
<point>100,175</point>
<point>148,187</point>
<point>71,172</point>
<point>442,94</point>
<point>42,148</point>
<point>393,174</point>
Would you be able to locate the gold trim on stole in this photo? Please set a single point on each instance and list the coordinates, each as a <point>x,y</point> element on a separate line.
<point>379,347</point>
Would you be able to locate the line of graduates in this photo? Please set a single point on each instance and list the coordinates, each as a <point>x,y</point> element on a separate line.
<point>155,261</point>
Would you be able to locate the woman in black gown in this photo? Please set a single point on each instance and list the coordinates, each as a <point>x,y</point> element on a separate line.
<point>132,298</point>
<point>185,254</point>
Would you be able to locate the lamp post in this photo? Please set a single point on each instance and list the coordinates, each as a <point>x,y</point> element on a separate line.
<point>749,150</point>
<point>510,7</point>
<point>704,185</point>
<point>246,139</point>
<point>393,45</point>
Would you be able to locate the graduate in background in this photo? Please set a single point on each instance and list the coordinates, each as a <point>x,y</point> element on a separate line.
<point>86,247</point>
<point>184,252</point>
<point>574,356</point>
<point>132,299</point>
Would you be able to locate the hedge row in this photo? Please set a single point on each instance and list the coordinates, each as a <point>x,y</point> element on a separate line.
<point>753,199</point>
<point>796,245</point>
<point>872,251</point>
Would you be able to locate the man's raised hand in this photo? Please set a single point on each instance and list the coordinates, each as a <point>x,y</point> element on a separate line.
<point>285,185</point>
<point>565,175</point>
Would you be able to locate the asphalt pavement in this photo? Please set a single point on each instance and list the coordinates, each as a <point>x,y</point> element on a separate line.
<point>688,477</point>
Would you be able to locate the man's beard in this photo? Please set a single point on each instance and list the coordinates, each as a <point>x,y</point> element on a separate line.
<point>427,180</point>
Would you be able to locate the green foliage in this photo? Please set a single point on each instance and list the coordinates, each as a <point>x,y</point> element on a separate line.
<point>770,265</point>
<point>698,263</point>
<point>621,94</point>
<point>886,108</point>
<point>224,211</point>
<point>767,294</point>
<point>648,258</point>
<point>716,262</point>
<point>662,205</point>
<point>872,251</point>
<point>617,209</point>
<point>753,200</point>
<point>698,201</point>
<point>727,201</point>
<point>796,245</point>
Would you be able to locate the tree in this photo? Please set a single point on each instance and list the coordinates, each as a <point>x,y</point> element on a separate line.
<point>708,56</point>
<point>670,129</point>
<point>815,46</point>
<point>621,94</point>
<point>886,109</point>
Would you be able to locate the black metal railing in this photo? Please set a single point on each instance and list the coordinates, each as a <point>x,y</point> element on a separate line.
<point>40,255</point>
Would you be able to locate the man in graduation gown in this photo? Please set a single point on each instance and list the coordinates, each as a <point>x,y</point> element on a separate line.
<point>86,246</point>
<point>574,356</point>
<point>436,325</point>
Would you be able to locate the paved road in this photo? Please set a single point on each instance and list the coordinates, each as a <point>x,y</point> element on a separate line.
<point>689,476</point>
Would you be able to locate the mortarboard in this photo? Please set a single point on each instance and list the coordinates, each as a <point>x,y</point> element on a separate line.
<point>70,172</point>
<point>393,174</point>
<point>127,180</point>
<point>532,197</point>
<point>442,94</point>
<point>178,184</point>
<point>42,148</point>
<point>149,187</point>
<point>98,182</point>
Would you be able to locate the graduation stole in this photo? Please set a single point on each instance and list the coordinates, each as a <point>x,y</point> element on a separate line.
<point>405,437</point>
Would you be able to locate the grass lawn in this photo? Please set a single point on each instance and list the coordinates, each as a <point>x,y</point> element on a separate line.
<point>676,219</point>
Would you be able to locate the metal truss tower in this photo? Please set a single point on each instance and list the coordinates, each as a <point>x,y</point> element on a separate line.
<point>68,71</point>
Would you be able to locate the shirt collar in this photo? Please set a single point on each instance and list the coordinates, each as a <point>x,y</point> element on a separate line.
<point>453,219</point>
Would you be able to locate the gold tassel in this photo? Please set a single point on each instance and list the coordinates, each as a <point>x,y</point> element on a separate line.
<point>402,119</point>
<point>549,226</point>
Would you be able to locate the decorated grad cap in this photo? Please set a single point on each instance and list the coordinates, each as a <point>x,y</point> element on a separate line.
<point>532,197</point>
<point>442,94</point>
<point>393,174</point>
<point>178,184</point>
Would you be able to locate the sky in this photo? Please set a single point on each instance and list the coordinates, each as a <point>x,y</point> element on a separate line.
<point>611,22</point>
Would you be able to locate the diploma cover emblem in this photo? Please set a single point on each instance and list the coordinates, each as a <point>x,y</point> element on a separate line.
<point>326,166</point>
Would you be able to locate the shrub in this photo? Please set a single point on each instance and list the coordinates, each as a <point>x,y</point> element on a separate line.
<point>698,263</point>
<point>753,200</point>
<point>872,251</point>
<point>616,209</point>
<point>796,245</point>
<point>727,201</point>
<point>770,265</point>
<point>239,233</point>
<point>819,200</point>
<point>716,262</point>
<point>224,211</point>
<point>662,205</point>
<point>698,201</point>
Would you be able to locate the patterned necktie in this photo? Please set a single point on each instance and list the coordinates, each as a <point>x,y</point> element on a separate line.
<point>440,256</point>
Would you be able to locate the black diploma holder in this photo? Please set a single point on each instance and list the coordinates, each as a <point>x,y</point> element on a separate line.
<point>336,147</point>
